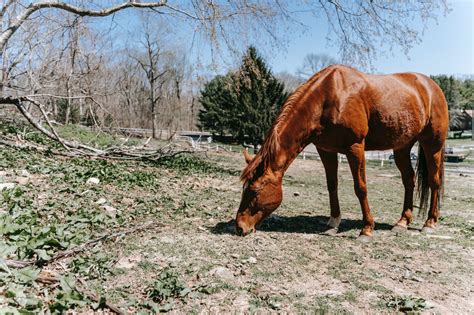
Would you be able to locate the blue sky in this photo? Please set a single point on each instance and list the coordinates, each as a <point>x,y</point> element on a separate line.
<point>446,48</point>
<point>447,45</point>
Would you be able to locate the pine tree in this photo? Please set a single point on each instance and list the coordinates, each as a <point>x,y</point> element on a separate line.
<point>217,102</point>
<point>244,103</point>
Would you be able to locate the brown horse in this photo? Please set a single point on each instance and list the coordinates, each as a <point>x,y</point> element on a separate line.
<point>342,110</point>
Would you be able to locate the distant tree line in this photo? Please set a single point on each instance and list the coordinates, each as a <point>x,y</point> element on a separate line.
<point>459,93</point>
<point>74,62</point>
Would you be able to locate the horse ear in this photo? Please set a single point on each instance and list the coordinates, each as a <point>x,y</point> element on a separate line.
<point>247,156</point>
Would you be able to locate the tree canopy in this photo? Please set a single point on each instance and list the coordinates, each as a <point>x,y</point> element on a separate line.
<point>243,103</point>
<point>459,93</point>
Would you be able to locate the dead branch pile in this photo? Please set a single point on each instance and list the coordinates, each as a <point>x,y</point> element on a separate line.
<point>75,148</point>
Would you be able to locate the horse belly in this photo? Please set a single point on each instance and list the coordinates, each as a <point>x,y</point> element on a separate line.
<point>392,131</point>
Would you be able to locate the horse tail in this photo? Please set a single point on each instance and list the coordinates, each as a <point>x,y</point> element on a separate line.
<point>422,180</point>
<point>422,186</point>
<point>441,178</point>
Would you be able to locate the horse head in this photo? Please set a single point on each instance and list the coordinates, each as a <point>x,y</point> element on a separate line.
<point>262,194</point>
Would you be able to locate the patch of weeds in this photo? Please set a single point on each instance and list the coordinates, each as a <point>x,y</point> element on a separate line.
<point>68,297</point>
<point>17,290</point>
<point>188,163</point>
<point>91,137</point>
<point>266,301</point>
<point>28,233</point>
<point>11,158</point>
<point>77,171</point>
<point>351,296</point>
<point>407,304</point>
<point>95,266</point>
<point>164,289</point>
<point>20,295</point>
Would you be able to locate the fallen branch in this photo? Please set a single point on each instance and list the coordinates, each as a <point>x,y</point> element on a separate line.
<point>78,149</point>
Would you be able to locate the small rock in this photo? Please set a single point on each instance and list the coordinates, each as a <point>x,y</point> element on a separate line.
<point>127,201</point>
<point>93,181</point>
<point>42,196</point>
<point>22,180</point>
<point>241,302</point>
<point>7,186</point>
<point>296,194</point>
<point>24,173</point>
<point>222,272</point>
<point>111,211</point>
<point>101,201</point>
<point>3,173</point>
<point>251,260</point>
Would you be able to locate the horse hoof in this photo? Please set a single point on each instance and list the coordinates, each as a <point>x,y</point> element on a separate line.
<point>428,230</point>
<point>331,231</point>
<point>397,228</point>
<point>364,238</point>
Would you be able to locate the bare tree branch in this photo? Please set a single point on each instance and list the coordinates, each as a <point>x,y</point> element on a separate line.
<point>33,7</point>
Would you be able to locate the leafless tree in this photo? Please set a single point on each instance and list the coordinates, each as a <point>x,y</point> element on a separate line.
<point>291,81</point>
<point>152,59</point>
<point>36,70</point>
<point>313,63</point>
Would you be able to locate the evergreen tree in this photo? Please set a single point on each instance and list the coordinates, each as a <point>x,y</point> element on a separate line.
<point>244,103</point>
<point>217,102</point>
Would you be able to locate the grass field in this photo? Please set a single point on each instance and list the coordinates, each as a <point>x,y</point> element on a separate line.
<point>187,258</point>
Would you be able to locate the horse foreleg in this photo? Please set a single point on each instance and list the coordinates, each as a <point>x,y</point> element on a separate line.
<point>356,159</point>
<point>403,162</point>
<point>330,163</point>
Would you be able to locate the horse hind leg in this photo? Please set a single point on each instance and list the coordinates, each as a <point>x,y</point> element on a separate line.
<point>330,164</point>
<point>434,155</point>
<point>403,162</point>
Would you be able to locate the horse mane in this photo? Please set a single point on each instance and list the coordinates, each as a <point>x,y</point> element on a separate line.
<point>271,144</point>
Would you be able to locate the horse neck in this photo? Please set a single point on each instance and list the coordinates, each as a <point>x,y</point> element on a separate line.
<point>294,134</point>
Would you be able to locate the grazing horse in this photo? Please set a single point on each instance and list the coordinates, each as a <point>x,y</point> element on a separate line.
<point>342,110</point>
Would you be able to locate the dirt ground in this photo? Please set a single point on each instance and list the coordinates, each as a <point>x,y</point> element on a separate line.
<point>288,265</point>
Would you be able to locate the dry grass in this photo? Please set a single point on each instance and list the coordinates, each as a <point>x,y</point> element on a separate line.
<point>288,264</point>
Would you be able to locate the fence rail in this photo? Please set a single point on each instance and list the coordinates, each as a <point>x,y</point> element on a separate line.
<point>201,140</point>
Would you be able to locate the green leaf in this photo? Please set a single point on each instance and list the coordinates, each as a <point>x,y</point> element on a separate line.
<point>26,275</point>
<point>10,310</point>
<point>100,304</point>
<point>3,266</point>
<point>67,283</point>
<point>42,254</point>
<point>7,250</point>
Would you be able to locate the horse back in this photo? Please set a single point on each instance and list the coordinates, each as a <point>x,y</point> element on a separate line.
<point>387,111</point>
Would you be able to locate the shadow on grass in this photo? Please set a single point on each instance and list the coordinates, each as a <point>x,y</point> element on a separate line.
<point>297,224</point>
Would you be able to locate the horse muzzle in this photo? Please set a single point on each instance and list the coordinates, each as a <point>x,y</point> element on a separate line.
<point>243,229</point>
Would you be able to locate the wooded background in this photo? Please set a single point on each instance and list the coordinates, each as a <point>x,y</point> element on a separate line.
<point>87,70</point>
